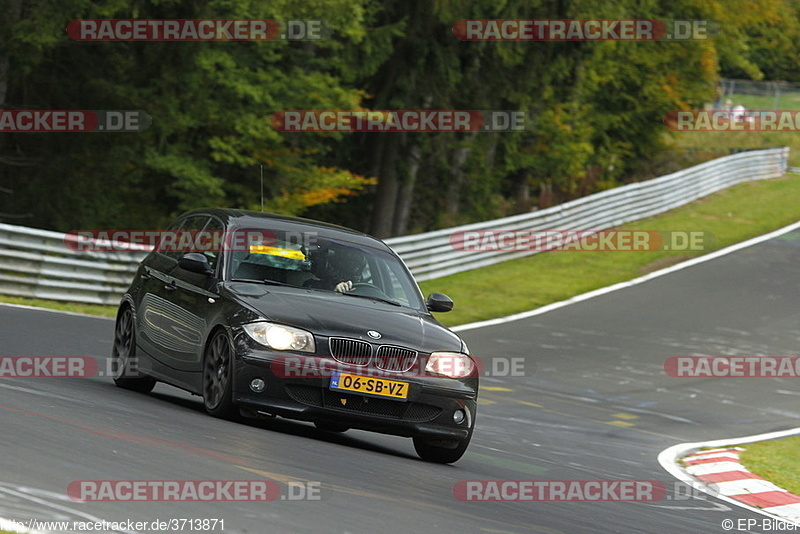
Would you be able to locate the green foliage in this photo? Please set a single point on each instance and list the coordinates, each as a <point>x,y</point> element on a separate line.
<point>759,39</point>
<point>594,109</point>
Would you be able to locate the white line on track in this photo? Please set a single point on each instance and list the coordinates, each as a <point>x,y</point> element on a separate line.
<point>49,502</point>
<point>636,281</point>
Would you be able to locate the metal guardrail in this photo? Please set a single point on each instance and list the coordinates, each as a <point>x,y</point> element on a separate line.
<point>37,263</point>
<point>431,255</point>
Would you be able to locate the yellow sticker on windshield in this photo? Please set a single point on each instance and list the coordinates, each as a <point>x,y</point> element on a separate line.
<point>275,251</point>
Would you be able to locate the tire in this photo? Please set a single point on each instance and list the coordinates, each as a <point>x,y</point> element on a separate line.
<point>123,355</point>
<point>441,454</point>
<point>218,377</point>
<point>327,426</point>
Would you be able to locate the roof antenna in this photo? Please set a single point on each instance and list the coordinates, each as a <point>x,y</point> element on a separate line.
<point>261,166</point>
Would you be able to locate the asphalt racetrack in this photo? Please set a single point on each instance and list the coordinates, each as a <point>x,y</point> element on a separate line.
<point>594,404</point>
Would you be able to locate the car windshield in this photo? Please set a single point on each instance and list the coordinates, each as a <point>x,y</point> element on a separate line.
<point>323,264</point>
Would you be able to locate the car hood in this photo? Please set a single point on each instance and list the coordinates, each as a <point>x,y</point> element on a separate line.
<point>328,313</point>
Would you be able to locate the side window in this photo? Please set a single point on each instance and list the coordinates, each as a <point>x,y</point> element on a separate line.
<point>166,245</point>
<point>179,240</point>
<point>394,288</point>
<point>210,240</point>
<point>366,273</point>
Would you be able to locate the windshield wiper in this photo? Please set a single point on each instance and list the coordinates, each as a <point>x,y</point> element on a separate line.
<point>268,282</point>
<point>393,303</point>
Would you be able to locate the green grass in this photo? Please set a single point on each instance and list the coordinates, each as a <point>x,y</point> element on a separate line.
<point>777,461</point>
<point>732,215</point>
<point>74,307</point>
<point>710,145</point>
<point>784,101</point>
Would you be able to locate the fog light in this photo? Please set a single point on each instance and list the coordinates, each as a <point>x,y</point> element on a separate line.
<point>257,385</point>
<point>459,416</point>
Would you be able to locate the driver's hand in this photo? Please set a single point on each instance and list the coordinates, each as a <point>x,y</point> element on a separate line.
<point>343,287</point>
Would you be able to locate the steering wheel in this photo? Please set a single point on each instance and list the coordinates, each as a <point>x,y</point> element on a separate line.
<point>371,288</point>
<point>366,284</point>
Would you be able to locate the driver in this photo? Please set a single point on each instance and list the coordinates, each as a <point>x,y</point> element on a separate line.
<point>338,271</point>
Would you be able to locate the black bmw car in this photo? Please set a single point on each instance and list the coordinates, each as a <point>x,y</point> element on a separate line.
<point>265,315</point>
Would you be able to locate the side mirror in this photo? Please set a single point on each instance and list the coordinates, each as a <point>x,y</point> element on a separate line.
<point>439,302</point>
<point>194,262</point>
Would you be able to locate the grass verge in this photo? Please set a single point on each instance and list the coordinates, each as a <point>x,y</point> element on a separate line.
<point>730,216</point>
<point>776,460</point>
<point>74,307</point>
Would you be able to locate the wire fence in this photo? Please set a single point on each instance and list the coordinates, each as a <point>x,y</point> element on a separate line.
<point>757,95</point>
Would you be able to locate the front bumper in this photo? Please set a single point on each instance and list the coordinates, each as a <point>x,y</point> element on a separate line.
<point>428,411</point>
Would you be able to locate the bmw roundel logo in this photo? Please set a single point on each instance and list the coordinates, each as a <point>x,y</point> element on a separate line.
<point>374,334</point>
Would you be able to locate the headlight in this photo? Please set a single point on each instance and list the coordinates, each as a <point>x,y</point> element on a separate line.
<point>280,337</point>
<point>452,364</point>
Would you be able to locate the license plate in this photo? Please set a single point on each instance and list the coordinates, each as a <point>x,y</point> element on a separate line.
<point>378,387</point>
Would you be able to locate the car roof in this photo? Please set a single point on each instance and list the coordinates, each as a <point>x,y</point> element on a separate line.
<point>233,218</point>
